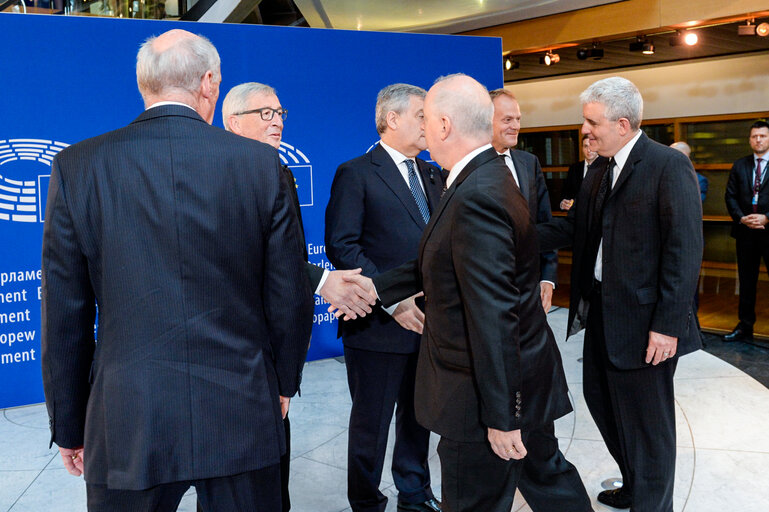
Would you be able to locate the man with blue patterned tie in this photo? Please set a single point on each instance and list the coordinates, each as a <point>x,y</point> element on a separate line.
<point>380,203</point>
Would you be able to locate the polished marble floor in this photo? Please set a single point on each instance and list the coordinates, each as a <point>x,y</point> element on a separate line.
<point>723,443</point>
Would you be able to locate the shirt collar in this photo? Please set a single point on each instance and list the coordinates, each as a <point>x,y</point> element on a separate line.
<point>463,162</point>
<point>162,103</point>
<point>622,155</point>
<point>396,155</point>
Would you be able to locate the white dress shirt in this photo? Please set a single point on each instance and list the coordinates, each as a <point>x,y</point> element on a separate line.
<point>400,161</point>
<point>463,162</point>
<point>619,163</point>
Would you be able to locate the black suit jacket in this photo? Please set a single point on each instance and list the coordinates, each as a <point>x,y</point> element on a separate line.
<point>314,272</point>
<point>652,250</point>
<point>573,180</point>
<point>534,189</point>
<point>739,195</point>
<point>488,357</point>
<point>373,222</point>
<point>186,239</point>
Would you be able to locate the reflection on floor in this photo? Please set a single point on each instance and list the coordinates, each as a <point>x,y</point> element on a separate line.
<point>719,295</point>
<point>723,446</point>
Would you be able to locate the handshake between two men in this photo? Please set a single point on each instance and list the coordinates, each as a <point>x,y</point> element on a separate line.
<point>351,294</point>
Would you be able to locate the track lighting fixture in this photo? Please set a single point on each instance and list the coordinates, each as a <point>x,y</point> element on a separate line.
<point>687,38</point>
<point>509,64</point>
<point>643,45</point>
<point>594,53</point>
<point>550,58</point>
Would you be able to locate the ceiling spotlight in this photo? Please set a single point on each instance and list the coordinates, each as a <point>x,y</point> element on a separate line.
<point>643,45</point>
<point>748,29</point>
<point>762,29</point>
<point>594,53</point>
<point>648,48</point>
<point>550,58</point>
<point>510,64</point>
<point>684,38</point>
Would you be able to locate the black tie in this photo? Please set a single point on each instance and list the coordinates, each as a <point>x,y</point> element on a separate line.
<point>596,230</point>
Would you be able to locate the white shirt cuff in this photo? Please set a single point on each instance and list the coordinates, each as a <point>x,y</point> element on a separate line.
<point>322,281</point>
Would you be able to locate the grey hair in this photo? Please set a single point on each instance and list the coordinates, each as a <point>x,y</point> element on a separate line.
<point>683,147</point>
<point>178,68</point>
<point>236,100</point>
<point>471,114</point>
<point>620,98</point>
<point>394,98</point>
<point>496,93</point>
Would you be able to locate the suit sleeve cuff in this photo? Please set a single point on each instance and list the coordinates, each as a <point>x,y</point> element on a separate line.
<point>322,281</point>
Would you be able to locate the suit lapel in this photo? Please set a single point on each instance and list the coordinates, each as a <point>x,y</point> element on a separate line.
<point>429,175</point>
<point>635,156</point>
<point>522,172</point>
<point>391,176</point>
<point>472,165</point>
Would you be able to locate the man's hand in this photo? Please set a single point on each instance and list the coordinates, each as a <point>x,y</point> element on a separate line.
<point>507,445</point>
<point>755,220</point>
<point>566,204</point>
<point>284,401</point>
<point>349,292</point>
<point>661,348</point>
<point>546,294</point>
<point>73,460</point>
<point>409,316</point>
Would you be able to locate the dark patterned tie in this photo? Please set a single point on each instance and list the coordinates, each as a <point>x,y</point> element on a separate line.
<point>417,192</point>
<point>596,230</point>
<point>757,184</point>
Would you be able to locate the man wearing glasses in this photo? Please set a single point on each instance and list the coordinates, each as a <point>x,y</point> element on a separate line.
<point>253,110</point>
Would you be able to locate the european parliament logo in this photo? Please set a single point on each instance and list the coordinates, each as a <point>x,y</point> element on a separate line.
<point>23,199</point>
<point>301,168</point>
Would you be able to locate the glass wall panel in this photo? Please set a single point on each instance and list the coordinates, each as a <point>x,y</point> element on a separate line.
<point>553,148</point>
<point>662,133</point>
<point>718,142</point>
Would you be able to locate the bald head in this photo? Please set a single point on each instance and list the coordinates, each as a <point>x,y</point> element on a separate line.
<point>179,66</point>
<point>683,147</point>
<point>458,116</point>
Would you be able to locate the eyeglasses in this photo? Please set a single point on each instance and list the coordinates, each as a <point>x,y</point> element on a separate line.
<point>266,113</point>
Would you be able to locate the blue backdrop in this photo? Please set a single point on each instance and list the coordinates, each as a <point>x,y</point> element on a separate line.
<point>70,78</point>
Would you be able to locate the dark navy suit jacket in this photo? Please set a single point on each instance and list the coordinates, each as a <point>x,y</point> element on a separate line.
<point>534,189</point>
<point>186,239</point>
<point>373,222</point>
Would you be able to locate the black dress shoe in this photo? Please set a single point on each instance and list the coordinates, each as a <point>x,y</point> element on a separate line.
<point>739,334</point>
<point>431,505</point>
<point>616,498</point>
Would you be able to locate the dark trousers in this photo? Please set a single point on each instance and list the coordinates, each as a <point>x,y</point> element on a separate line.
<point>752,247</point>
<point>474,478</point>
<point>549,482</point>
<point>378,381</point>
<point>253,491</point>
<point>285,466</point>
<point>635,413</point>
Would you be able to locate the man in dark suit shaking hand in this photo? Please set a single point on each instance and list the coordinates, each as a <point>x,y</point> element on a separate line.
<point>489,371</point>
<point>253,110</point>
<point>186,238</point>
<point>636,233</point>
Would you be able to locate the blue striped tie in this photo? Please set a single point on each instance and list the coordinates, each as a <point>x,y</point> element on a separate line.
<point>416,191</point>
